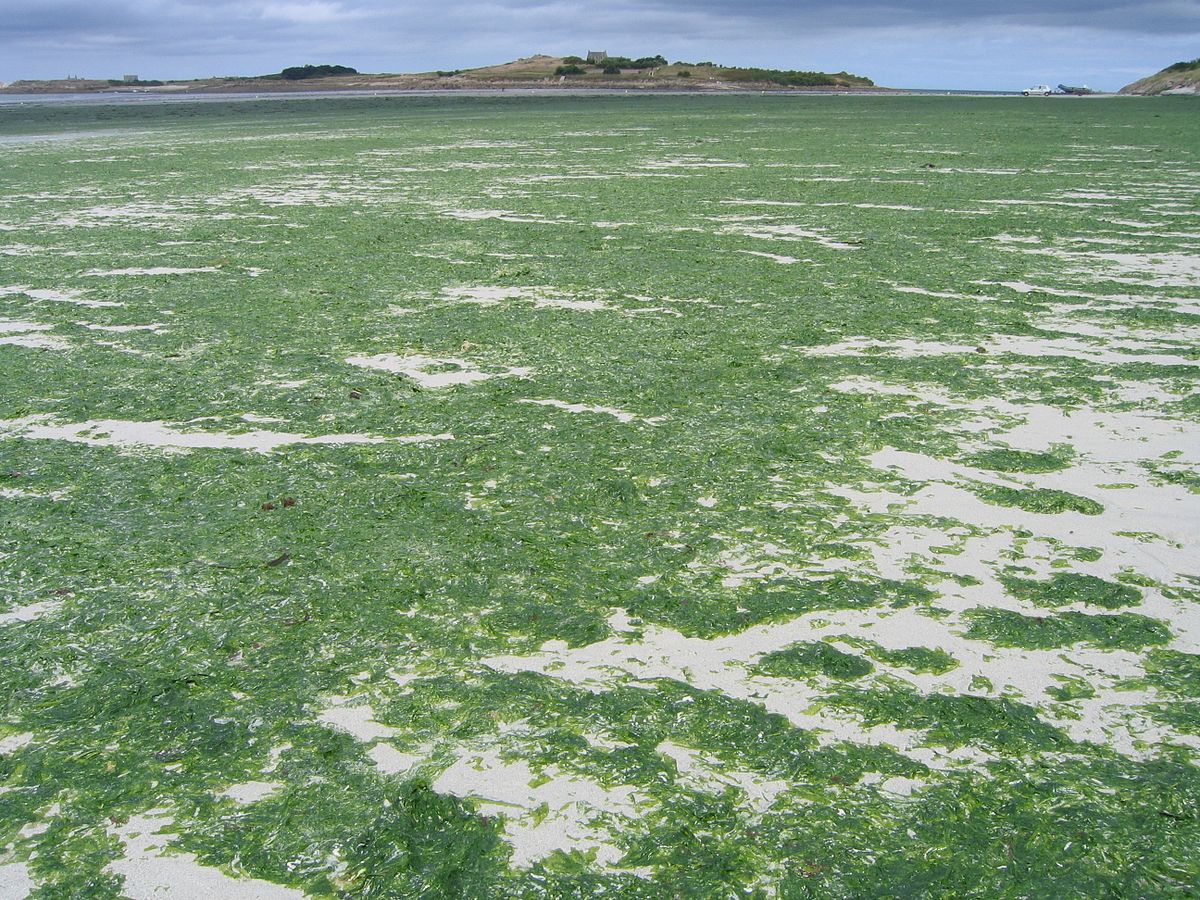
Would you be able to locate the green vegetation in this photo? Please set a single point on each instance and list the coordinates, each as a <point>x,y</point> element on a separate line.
<point>1124,631</point>
<point>789,78</point>
<point>1038,500</point>
<point>1008,460</point>
<point>626,604</point>
<point>952,720</point>
<point>1183,66</point>
<point>920,660</point>
<point>1071,587</point>
<point>814,658</point>
<point>644,62</point>
<point>298,73</point>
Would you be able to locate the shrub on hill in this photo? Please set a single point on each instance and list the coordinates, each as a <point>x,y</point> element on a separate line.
<point>645,62</point>
<point>568,70</point>
<point>299,73</point>
<point>789,78</point>
<point>1183,66</point>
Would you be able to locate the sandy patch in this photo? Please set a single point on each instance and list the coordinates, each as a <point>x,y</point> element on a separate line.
<point>720,664</point>
<point>948,295</point>
<point>153,327</point>
<point>1001,344</point>
<point>14,742</point>
<point>357,719</point>
<point>543,811</point>
<point>154,270</point>
<point>703,772</point>
<point>30,612</point>
<point>250,791</point>
<point>391,761</point>
<point>765,231</point>
<point>66,296</point>
<point>619,414</point>
<point>19,333</point>
<point>447,371</point>
<point>502,215</point>
<point>164,436</point>
<point>15,882</point>
<point>540,297</point>
<point>774,257</point>
<point>150,874</point>
<point>691,162</point>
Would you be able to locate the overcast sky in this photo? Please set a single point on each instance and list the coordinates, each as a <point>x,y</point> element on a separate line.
<point>969,44</point>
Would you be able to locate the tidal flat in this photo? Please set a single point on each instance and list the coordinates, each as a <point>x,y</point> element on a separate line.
<point>633,496</point>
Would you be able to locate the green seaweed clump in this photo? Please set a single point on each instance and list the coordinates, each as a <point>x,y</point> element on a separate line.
<point>1039,500</point>
<point>1124,631</point>
<point>952,720</point>
<point>427,844</point>
<point>1178,676</point>
<point>921,660</point>
<point>814,658</point>
<point>1005,459</point>
<point>1072,587</point>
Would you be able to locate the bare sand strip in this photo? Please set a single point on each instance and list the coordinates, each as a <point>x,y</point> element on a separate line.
<point>165,436</point>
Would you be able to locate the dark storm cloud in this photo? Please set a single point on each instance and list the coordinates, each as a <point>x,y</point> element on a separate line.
<point>1122,15</point>
<point>138,20</point>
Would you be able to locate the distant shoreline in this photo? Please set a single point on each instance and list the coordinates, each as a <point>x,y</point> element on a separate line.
<point>284,89</point>
<point>9,98</point>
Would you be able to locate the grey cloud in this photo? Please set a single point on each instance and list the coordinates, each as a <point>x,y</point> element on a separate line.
<point>180,38</point>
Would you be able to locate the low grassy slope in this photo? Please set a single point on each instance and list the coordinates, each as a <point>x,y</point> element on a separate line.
<point>534,71</point>
<point>1182,77</point>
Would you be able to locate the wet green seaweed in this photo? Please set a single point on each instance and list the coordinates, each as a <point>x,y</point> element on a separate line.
<point>1124,631</point>
<point>921,660</point>
<point>1073,587</point>
<point>1039,500</point>
<point>952,720</point>
<point>193,623</point>
<point>814,658</point>
<point>1006,459</point>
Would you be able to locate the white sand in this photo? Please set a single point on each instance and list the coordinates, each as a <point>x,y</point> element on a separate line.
<point>787,232</point>
<point>165,436</point>
<point>774,257</point>
<point>151,874</point>
<point>708,774</point>
<point>154,270</point>
<point>14,742</point>
<point>357,719</point>
<point>391,761</point>
<point>415,366</point>
<point>155,327</point>
<point>1001,344</point>
<point>619,414</point>
<point>719,664</point>
<point>30,612</point>
<point>19,333</point>
<point>15,881</point>
<point>250,791</point>
<point>53,296</point>
<point>540,296</point>
<point>567,804</point>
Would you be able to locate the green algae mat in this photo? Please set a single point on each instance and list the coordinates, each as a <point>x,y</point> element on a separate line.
<point>651,497</point>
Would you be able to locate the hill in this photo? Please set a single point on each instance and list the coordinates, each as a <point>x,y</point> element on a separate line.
<point>540,71</point>
<point>1180,78</point>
